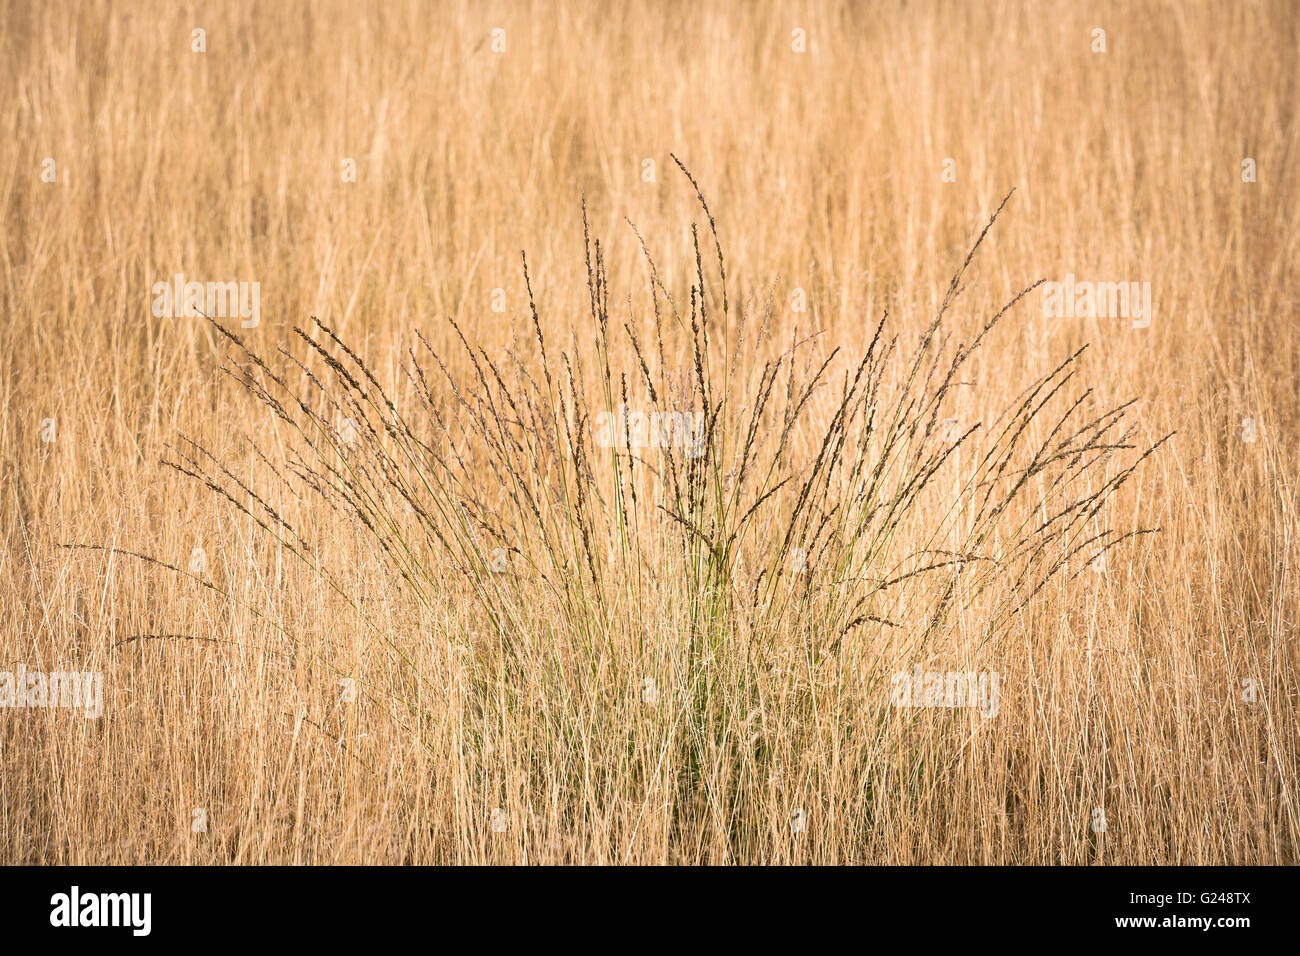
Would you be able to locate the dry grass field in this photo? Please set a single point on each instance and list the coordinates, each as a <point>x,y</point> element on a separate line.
<point>386,590</point>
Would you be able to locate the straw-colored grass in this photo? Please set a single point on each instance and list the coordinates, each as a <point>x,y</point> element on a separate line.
<point>440,617</point>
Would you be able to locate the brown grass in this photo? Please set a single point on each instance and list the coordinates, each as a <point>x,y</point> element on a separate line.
<point>831,533</point>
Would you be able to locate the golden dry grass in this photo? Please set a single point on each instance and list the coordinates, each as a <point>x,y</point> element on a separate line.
<point>1120,690</point>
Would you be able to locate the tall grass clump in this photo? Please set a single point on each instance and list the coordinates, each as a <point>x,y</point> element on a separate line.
<point>671,508</point>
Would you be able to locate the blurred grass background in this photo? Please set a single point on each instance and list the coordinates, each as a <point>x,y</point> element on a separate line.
<point>824,170</point>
